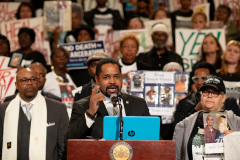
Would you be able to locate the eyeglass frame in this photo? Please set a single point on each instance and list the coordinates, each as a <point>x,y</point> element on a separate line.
<point>214,95</point>
<point>201,78</point>
<point>24,81</point>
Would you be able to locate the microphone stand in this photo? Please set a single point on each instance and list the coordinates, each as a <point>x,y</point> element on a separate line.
<point>121,120</point>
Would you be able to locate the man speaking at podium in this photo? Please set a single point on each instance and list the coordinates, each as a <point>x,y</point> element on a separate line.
<point>88,113</point>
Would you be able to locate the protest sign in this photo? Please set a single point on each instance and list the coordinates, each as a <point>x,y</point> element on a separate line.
<point>57,13</point>
<point>79,53</point>
<point>7,78</point>
<point>189,41</point>
<point>8,11</point>
<point>161,90</point>
<point>10,30</point>
<point>203,8</point>
<point>175,4</point>
<point>235,7</point>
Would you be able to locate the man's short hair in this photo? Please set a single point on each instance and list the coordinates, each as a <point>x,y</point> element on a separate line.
<point>206,65</point>
<point>106,61</point>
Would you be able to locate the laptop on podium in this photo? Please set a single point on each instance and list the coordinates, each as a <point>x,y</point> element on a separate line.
<point>134,128</point>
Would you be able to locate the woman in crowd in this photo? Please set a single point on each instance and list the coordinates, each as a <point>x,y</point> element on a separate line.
<point>230,70</point>
<point>59,76</point>
<point>26,38</point>
<point>199,21</point>
<point>4,46</point>
<point>211,52</point>
<point>129,45</point>
<point>135,23</point>
<point>160,14</point>
<point>189,132</point>
<point>84,33</point>
<point>25,10</point>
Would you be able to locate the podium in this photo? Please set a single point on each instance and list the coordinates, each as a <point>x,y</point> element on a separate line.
<point>102,149</point>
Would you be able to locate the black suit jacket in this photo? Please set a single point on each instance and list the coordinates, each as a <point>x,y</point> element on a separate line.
<point>56,113</point>
<point>77,129</point>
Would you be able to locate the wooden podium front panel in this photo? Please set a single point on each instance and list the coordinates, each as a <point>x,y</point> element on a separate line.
<point>100,149</point>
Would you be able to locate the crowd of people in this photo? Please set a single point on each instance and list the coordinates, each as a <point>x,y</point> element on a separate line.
<point>43,91</point>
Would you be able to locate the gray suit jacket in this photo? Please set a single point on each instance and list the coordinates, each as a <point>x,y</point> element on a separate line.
<point>77,129</point>
<point>184,129</point>
<point>56,113</point>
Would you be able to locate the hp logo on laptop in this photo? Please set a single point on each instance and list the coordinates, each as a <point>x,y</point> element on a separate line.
<point>131,133</point>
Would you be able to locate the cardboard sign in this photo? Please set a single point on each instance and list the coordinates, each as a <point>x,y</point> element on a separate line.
<point>8,11</point>
<point>79,53</point>
<point>189,41</point>
<point>10,30</point>
<point>7,79</point>
<point>57,13</point>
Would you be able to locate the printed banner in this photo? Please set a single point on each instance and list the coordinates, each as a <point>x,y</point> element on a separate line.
<point>8,11</point>
<point>7,79</point>
<point>79,53</point>
<point>161,90</point>
<point>235,7</point>
<point>189,41</point>
<point>10,30</point>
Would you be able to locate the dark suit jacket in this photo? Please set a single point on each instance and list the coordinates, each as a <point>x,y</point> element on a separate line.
<point>86,91</point>
<point>56,113</point>
<point>45,94</point>
<point>77,129</point>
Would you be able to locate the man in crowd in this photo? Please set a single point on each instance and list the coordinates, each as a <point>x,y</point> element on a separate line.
<point>41,72</point>
<point>210,132</point>
<point>86,89</point>
<point>191,103</point>
<point>158,56</point>
<point>38,124</point>
<point>88,113</point>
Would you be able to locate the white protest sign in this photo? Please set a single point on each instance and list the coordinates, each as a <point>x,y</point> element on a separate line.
<point>8,11</point>
<point>189,41</point>
<point>7,78</point>
<point>10,30</point>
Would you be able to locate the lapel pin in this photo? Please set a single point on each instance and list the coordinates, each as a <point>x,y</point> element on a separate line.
<point>9,145</point>
<point>127,102</point>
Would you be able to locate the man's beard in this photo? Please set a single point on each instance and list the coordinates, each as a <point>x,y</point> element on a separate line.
<point>159,46</point>
<point>109,87</point>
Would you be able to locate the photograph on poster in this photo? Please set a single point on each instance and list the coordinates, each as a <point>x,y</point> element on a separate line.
<point>167,95</point>
<point>137,82</point>
<point>181,82</point>
<point>151,95</point>
<point>15,60</point>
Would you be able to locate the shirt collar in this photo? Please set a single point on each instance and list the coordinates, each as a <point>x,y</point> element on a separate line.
<point>24,102</point>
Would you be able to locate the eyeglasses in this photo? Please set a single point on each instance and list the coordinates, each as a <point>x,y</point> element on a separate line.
<point>130,47</point>
<point>196,79</point>
<point>214,94</point>
<point>159,34</point>
<point>25,81</point>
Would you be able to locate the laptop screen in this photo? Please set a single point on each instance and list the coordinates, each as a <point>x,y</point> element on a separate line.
<point>134,128</point>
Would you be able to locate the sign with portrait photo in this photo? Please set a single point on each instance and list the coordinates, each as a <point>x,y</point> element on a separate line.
<point>158,89</point>
<point>15,60</point>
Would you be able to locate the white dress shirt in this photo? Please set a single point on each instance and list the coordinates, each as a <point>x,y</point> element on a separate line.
<point>22,103</point>
<point>109,106</point>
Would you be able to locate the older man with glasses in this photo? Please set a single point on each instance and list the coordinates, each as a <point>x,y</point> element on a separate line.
<point>32,126</point>
<point>189,105</point>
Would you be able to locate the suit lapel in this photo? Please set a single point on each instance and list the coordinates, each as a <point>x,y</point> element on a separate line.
<point>102,109</point>
<point>127,106</point>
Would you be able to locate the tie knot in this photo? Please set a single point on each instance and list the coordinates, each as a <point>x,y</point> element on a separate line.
<point>28,106</point>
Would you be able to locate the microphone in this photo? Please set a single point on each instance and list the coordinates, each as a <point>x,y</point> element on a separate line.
<point>114,99</point>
